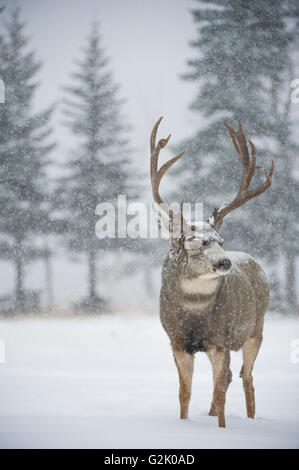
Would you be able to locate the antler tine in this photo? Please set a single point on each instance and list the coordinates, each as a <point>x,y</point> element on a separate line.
<point>249,167</point>
<point>156,175</point>
<point>256,192</point>
<point>239,141</point>
<point>156,149</point>
<point>243,146</point>
<point>253,159</point>
<point>233,137</point>
<point>169,164</point>
<point>154,133</point>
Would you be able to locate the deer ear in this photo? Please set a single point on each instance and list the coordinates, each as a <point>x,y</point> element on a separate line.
<point>174,232</point>
<point>166,229</point>
<point>170,227</point>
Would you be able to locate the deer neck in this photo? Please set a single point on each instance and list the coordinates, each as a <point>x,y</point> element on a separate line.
<point>200,285</point>
<point>199,292</point>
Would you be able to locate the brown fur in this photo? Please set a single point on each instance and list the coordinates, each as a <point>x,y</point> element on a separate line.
<point>210,300</point>
<point>231,318</point>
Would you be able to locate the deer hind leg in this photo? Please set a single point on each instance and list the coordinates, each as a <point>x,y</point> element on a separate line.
<point>213,410</point>
<point>184,363</point>
<point>250,350</point>
<point>222,377</point>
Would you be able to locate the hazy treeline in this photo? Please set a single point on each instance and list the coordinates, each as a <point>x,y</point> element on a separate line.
<point>242,66</point>
<point>243,63</point>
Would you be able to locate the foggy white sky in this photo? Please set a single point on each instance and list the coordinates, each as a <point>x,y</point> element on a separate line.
<point>147,42</point>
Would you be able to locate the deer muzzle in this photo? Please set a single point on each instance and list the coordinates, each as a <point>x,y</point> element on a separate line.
<point>223,264</point>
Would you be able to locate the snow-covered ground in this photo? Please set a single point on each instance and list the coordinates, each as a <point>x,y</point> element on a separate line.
<point>110,382</point>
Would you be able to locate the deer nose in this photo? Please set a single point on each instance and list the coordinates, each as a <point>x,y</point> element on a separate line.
<point>224,264</point>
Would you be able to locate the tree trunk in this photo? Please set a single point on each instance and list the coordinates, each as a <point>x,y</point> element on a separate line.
<point>92,278</point>
<point>49,280</point>
<point>291,282</point>
<point>19,290</point>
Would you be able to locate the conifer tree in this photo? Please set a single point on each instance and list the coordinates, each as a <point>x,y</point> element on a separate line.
<point>243,54</point>
<point>24,148</point>
<point>98,170</point>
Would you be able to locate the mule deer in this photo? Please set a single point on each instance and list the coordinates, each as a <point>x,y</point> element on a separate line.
<point>212,300</point>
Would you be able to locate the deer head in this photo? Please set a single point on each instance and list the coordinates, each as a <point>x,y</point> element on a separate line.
<point>201,243</point>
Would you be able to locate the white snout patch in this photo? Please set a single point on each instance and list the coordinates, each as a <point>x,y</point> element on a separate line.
<point>200,285</point>
<point>210,275</point>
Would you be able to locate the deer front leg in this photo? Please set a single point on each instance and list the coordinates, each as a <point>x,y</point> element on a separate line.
<point>184,363</point>
<point>250,350</point>
<point>220,359</point>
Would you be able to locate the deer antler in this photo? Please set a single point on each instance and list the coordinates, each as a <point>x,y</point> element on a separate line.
<point>249,166</point>
<point>157,175</point>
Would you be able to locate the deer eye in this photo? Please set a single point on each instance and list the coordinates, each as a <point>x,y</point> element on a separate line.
<point>206,242</point>
<point>192,228</point>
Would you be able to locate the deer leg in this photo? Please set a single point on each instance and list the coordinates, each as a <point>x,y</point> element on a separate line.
<point>250,350</point>
<point>222,376</point>
<point>213,411</point>
<point>184,363</point>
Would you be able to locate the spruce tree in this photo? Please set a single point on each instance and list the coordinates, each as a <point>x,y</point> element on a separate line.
<point>240,68</point>
<point>24,148</point>
<point>99,169</point>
